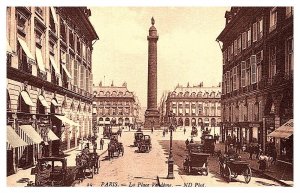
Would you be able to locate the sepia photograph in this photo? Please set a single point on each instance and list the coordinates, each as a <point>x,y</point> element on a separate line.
<point>142,96</point>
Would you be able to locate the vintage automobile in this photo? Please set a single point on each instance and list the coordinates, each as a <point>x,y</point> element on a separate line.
<point>208,142</point>
<point>196,161</point>
<point>232,167</point>
<point>194,147</point>
<point>137,138</point>
<point>53,171</point>
<point>145,144</point>
<point>87,163</point>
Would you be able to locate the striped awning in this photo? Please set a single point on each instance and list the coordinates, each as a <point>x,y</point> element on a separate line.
<point>284,131</point>
<point>66,120</point>
<point>52,136</point>
<point>13,140</point>
<point>27,98</point>
<point>26,49</point>
<point>43,101</point>
<point>54,102</point>
<point>39,58</point>
<point>53,63</point>
<point>29,135</point>
<point>66,71</point>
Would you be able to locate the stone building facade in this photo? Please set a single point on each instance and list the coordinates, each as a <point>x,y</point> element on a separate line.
<point>257,89</point>
<point>49,80</point>
<point>115,105</point>
<point>194,105</point>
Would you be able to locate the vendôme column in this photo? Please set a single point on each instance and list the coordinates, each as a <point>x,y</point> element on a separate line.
<point>152,114</point>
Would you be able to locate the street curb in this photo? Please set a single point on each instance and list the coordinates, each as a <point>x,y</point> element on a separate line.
<point>271,178</point>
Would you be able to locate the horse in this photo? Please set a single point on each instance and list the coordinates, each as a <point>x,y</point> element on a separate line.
<point>111,150</point>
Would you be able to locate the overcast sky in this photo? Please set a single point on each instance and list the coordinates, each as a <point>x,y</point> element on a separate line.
<point>187,50</point>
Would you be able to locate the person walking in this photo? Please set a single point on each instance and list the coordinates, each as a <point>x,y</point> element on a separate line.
<point>164,133</point>
<point>187,142</point>
<point>273,154</point>
<point>258,151</point>
<point>101,144</point>
<point>238,146</point>
<point>184,130</point>
<point>251,150</point>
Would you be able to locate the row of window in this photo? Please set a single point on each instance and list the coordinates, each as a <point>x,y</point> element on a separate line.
<point>206,111</point>
<point>251,112</point>
<point>108,103</point>
<point>254,33</point>
<point>72,71</point>
<point>199,94</point>
<point>66,33</point>
<point>113,111</point>
<point>250,71</point>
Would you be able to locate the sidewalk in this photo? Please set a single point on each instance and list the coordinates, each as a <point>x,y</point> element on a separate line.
<point>21,178</point>
<point>280,172</point>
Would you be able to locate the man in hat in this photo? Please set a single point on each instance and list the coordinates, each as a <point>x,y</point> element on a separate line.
<point>231,152</point>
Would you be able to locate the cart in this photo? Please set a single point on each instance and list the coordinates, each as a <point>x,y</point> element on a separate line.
<point>196,161</point>
<point>231,168</point>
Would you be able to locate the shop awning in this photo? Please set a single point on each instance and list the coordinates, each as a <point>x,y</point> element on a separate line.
<point>284,131</point>
<point>54,14</point>
<point>66,120</point>
<point>52,136</point>
<point>43,101</point>
<point>54,102</point>
<point>53,63</point>
<point>26,49</point>
<point>66,70</point>
<point>29,135</point>
<point>40,61</point>
<point>8,48</point>
<point>27,98</point>
<point>13,140</point>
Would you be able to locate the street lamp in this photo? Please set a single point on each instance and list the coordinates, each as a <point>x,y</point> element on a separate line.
<point>170,159</point>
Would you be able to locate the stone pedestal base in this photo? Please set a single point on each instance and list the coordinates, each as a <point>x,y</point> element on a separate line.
<point>151,119</point>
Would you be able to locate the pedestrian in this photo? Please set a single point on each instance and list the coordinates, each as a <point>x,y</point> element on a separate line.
<point>164,132</point>
<point>187,142</point>
<point>251,150</point>
<point>101,144</point>
<point>258,151</point>
<point>215,138</point>
<point>184,130</point>
<point>273,154</point>
<point>238,146</point>
<point>192,141</point>
<point>94,146</point>
<point>151,129</point>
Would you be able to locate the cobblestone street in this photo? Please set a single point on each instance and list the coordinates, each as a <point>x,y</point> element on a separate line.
<point>142,169</point>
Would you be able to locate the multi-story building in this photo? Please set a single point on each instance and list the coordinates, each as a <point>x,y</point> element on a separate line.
<point>194,105</point>
<point>257,89</point>
<point>115,105</point>
<point>49,81</point>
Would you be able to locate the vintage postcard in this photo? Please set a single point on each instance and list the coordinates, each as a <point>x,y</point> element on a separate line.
<point>149,96</point>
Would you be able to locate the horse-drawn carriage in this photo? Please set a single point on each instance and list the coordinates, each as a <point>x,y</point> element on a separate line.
<point>137,138</point>
<point>107,131</point>
<point>232,167</point>
<point>194,131</point>
<point>115,147</point>
<point>145,144</point>
<point>53,171</point>
<point>88,164</point>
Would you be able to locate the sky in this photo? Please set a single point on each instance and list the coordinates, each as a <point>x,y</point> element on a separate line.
<point>187,47</point>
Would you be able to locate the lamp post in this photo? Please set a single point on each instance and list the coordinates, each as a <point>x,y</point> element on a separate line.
<point>170,159</point>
